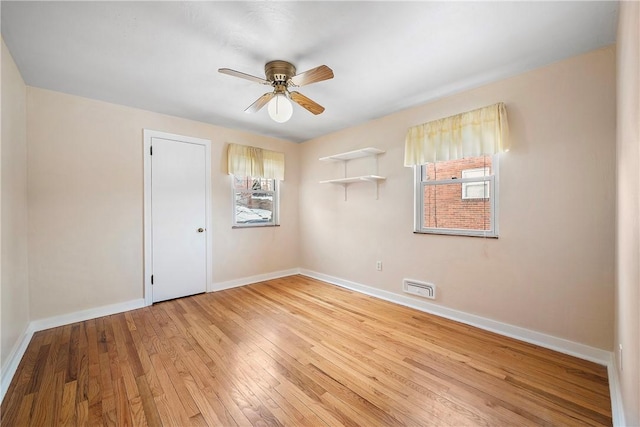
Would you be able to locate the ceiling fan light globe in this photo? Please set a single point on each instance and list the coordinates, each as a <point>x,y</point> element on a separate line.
<point>280,108</point>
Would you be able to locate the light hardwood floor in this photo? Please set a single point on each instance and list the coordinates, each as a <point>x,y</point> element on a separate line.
<point>295,351</point>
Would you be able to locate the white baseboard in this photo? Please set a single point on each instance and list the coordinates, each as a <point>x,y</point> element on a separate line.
<point>548,341</point>
<point>582,351</point>
<point>220,286</point>
<point>617,410</point>
<point>81,316</point>
<point>19,349</point>
<point>15,356</point>
<point>8,371</point>
<point>561,345</point>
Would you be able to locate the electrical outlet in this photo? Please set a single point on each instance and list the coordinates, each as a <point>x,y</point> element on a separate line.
<point>379,265</point>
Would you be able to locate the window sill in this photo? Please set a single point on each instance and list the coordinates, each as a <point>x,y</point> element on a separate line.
<point>255,226</point>
<point>444,233</point>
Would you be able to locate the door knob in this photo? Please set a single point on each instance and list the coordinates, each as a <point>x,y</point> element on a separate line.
<point>200,230</point>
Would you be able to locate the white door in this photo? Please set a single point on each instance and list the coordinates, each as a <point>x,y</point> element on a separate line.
<point>178,218</point>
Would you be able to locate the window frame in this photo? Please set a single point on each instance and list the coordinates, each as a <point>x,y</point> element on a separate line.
<point>419,190</point>
<point>275,217</point>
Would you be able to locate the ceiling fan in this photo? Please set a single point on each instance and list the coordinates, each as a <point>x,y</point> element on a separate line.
<point>281,75</point>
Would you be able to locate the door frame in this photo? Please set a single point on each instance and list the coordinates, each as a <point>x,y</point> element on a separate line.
<point>148,244</point>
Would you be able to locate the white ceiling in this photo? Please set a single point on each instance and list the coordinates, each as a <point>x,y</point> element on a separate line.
<point>386,56</point>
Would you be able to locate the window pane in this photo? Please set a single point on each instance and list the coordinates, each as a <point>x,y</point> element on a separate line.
<point>248,183</point>
<point>444,207</point>
<point>254,207</point>
<point>475,190</point>
<point>473,167</point>
<point>241,182</point>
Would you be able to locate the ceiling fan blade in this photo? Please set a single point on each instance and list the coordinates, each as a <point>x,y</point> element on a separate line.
<point>306,103</point>
<point>245,76</point>
<point>314,75</point>
<point>260,102</point>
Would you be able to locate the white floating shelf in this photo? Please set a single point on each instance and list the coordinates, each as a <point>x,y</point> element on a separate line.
<point>355,154</point>
<point>350,155</point>
<point>351,180</point>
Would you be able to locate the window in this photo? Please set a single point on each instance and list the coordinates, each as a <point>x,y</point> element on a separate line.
<point>255,202</point>
<point>457,197</point>
<point>458,194</point>
<point>256,173</point>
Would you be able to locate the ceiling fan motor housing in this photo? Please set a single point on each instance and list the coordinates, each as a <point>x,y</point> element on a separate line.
<point>279,71</point>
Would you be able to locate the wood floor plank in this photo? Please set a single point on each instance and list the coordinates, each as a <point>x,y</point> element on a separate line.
<point>258,382</point>
<point>68,409</point>
<point>450,416</point>
<point>107,404</point>
<point>46,396</point>
<point>382,392</point>
<point>123,412</point>
<point>295,351</point>
<point>201,387</point>
<point>136,409</point>
<point>82,413</point>
<point>169,405</point>
<point>23,417</point>
<point>251,407</point>
<point>151,413</point>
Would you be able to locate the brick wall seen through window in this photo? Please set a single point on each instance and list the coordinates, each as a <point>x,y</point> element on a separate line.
<point>445,206</point>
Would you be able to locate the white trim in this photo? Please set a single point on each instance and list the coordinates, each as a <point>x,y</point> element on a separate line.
<point>148,296</point>
<point>561,345</point>
<point>495,202</point>
<point>19,349</point>
<point>234,283</point>
<point>418,198</point>
<point>548,341</point>
<point>148,266</point>
<point>617,410</point>
<point>81,316</point>
<point>15,356</point>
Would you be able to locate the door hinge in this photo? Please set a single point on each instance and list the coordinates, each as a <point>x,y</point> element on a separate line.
<point>151,150</point>
<point>152,279</point>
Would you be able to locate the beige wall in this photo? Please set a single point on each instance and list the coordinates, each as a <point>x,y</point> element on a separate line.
<point>86,203</point>
<point>551,270</point>
<point>14,290</point>
<point>627,322</point>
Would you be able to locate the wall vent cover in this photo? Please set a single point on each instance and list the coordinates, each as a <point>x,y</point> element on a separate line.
<point>421,289</point>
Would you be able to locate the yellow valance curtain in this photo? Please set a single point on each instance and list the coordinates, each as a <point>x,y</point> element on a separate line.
<point>243,160</point>
<point>475,133</point>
